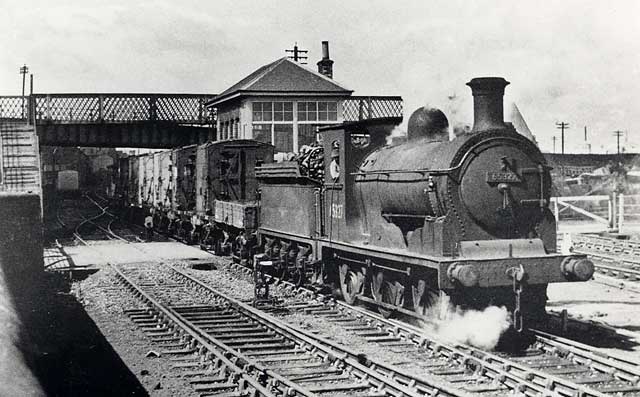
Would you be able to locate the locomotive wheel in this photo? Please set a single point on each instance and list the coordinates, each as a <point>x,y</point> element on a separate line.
<point>350,283</point>
<point>390,292</point>
<point>280,271</point>
<point>425,300</point>
<point>317,274</point>
<point>298,276</point>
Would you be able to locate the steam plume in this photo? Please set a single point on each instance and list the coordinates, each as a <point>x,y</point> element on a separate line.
<point>478,328</point>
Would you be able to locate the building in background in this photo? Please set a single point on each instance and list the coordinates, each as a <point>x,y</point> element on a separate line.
<point>281,103</point>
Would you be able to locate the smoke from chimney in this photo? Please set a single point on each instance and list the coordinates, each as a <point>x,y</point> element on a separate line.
<point>488,110</point>
<point>325,65</point>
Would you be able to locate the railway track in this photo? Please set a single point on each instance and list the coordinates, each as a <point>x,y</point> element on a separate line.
<point>553,366</point>
<point>88,225</point>
<point>613,257</point>
<point>112,222</point>
<point>266,355</point>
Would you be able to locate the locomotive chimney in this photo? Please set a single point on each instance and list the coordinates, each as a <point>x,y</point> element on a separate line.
<point>325,65</point>
<point>488,111</point>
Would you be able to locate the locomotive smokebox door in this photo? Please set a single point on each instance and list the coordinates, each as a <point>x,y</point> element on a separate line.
<point>507,178</point>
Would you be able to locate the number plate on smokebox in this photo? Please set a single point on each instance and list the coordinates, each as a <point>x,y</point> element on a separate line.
<point>502,177</point>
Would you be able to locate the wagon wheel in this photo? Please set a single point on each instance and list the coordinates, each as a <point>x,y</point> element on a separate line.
<point>426,301</point>
<point>385,291</point>
<point>350,283</point>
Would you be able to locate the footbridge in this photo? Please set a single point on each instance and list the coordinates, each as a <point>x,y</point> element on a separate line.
<point>114,120</point>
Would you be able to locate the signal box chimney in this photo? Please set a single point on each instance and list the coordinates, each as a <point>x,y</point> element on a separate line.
<point>325,65</point>
<point>488,110</point>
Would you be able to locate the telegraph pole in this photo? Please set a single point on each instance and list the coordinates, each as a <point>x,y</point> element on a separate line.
<point>555,138</point>
<point>618,134</point>
<point>562,126</point>
<point>297,57</point>
<point>23,71</point>
<point>585,133</point>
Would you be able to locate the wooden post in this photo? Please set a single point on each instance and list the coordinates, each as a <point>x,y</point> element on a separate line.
<point>32,103</point>
<point>153,110</point>
<point>48,107</point>
<point>620,211</point>
<point>100,108</point>
<point>614,215</point>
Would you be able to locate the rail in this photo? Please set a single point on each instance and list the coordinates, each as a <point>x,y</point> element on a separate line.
<point>108,108</point>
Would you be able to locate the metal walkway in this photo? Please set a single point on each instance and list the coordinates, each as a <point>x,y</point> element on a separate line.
<point>114,120</point>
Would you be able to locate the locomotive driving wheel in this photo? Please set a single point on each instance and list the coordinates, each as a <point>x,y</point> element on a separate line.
<point>316,273</point>
<point>427,301</point>
<point>387,291</point>
<point>299,276</point>
<point>351,282</point>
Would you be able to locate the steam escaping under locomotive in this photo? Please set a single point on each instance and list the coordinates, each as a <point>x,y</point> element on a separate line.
<point>403,227</point>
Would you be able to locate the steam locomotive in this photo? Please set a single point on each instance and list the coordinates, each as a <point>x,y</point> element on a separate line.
<point>405,227</point>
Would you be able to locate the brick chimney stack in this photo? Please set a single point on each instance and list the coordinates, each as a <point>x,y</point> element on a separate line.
<point>325,65</point>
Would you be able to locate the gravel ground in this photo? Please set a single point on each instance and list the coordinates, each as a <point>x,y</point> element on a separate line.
<point>595,301</point>
<point>589,301</point>
<point>240,286</point>
<point>105,302</point>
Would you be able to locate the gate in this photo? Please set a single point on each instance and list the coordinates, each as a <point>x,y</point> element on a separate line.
<point>598,213</point>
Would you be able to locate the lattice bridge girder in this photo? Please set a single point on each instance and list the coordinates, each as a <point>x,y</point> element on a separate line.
<point>160,135</point>
<point>109,108</point>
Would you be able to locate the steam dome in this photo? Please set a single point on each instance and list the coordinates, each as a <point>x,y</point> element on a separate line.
<point>428,122</point>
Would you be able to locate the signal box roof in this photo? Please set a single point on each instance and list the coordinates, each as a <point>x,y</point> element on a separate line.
<point>282,77</point>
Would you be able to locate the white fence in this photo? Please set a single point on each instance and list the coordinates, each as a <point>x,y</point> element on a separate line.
<point>605,212</point>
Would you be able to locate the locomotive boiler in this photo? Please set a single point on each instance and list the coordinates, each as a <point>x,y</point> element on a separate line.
<point>408,227</point>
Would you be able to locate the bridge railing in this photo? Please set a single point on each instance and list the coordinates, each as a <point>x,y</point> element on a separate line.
<point>110,108</point>
<point>14,107</point>
<point>178,108</point>
<point>357,108</point>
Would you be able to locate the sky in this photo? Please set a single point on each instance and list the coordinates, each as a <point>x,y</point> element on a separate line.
<point>571,61</point>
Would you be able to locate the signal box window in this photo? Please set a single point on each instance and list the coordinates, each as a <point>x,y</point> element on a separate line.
<point>262,132</point>
<point>307,133</point>
<point>317,111</point>
<point>272,111</point>
<point>262,111</point>
<point>283,111</point>
<point>283,137</point>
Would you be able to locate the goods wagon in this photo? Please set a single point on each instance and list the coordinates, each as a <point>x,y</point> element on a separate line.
<point>194,189</point>
<point>163,179</point>
<point>184,175</point>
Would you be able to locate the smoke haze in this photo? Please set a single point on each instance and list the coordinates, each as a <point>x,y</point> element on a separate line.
<point>481,329</point>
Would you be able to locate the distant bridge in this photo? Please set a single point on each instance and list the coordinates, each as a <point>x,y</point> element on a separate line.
<point>114,120</point>
<point>145,120</point>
